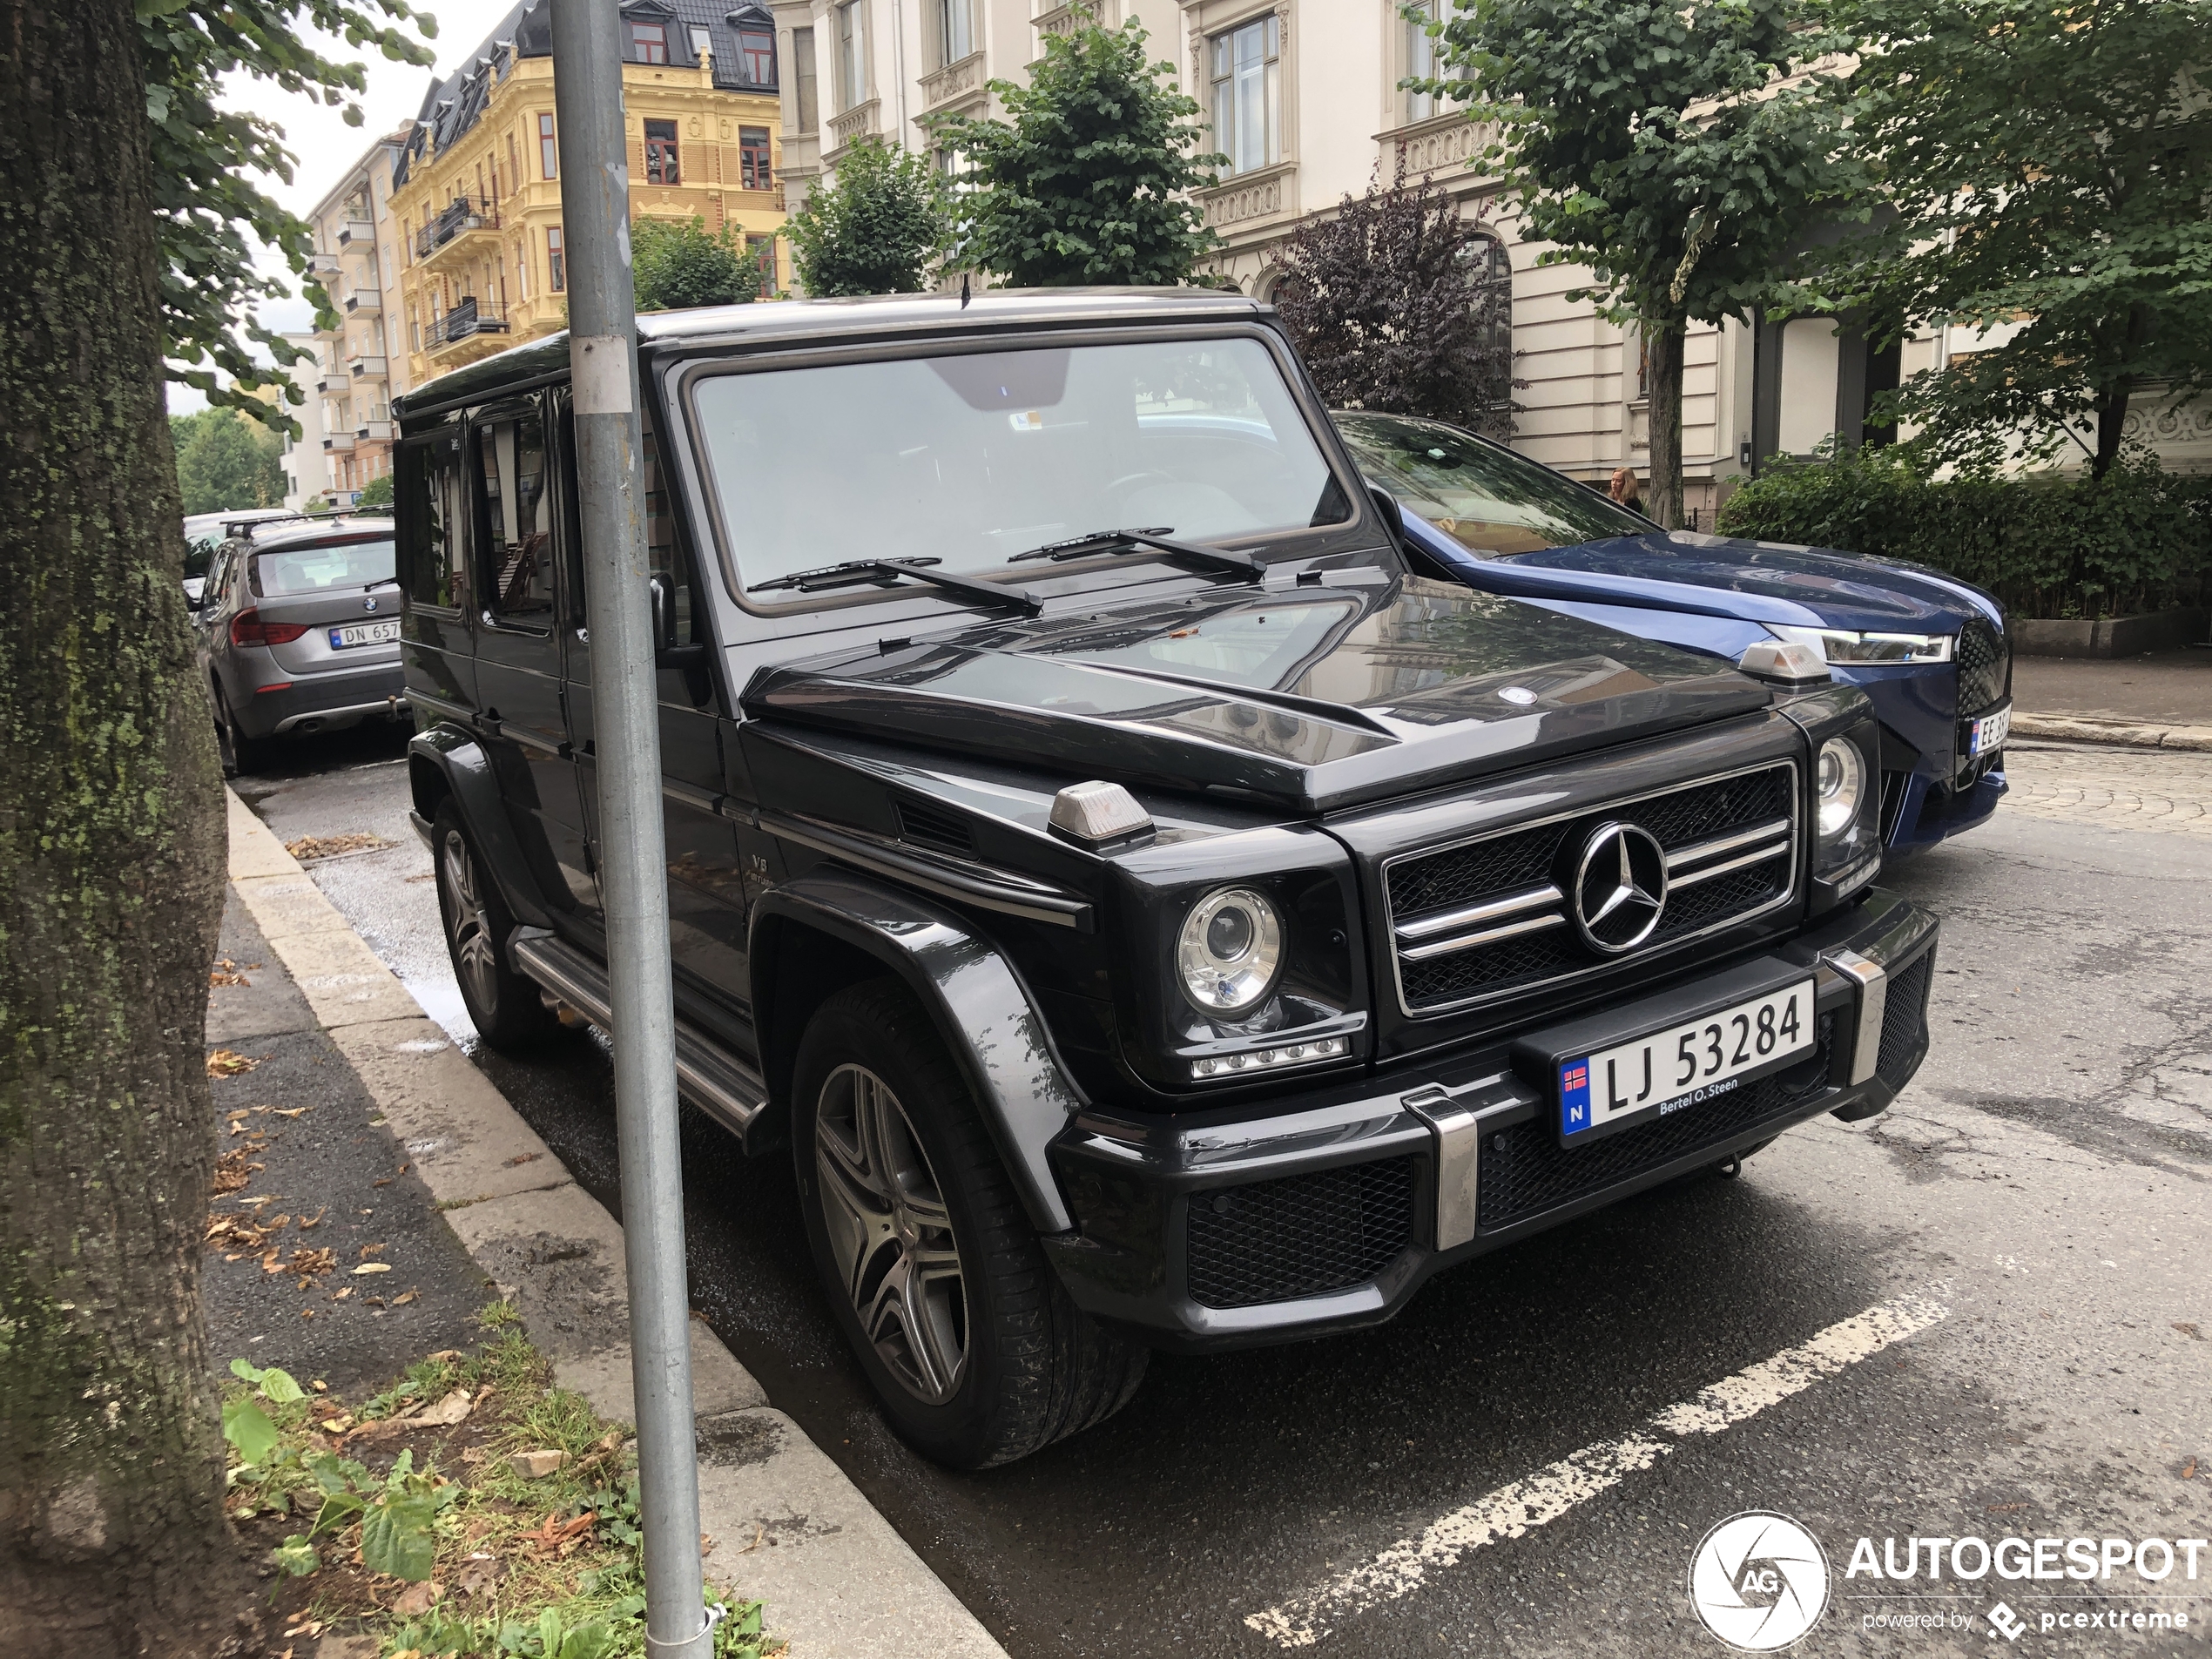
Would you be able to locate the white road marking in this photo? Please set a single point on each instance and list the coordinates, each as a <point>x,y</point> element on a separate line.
<point>1512,1511</point>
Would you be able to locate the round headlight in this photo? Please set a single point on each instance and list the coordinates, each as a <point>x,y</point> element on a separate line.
<point>1842,776</point>
<point>1231,946</point>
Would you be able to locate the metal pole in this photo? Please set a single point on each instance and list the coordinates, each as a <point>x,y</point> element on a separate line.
<point>602,355</point>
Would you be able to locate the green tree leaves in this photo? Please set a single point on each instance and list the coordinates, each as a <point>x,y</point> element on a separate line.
<point>1087,182</point>
<point>675,265</point>
<point>208,210</point>
<point>2037,169</point>
<point>877,227</point>
<point>224,462</point>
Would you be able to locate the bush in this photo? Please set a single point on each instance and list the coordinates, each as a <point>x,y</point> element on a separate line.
<point>678,264</point>
<point>878,226</point>
<point>2141,540</point>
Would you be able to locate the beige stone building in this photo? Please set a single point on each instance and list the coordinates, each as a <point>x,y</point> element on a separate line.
<point>477,193</point>
<point>356,374</point>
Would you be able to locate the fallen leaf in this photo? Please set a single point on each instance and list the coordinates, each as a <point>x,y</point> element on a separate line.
<point>447,1412</point>
<point>227,976</point>
<point>2188,1470</point>
<point>2187,1328</point>
<point>320,1386</point>
<point>295,1111</point>
<point>230,1171</point>
<point>447,1356</point>
<point>759,1533</point>
<point>367,1251</point>
<point>381,1181</point>
<point>340,1296</point>
<point>308,848</point>
<point>315,1220</point>
<point>404,1297</point>
<point>418,1599</point>
<point>275,1222</point>
<point>337,1425</point>
<point>523,1157</point>
<point>554,1533</point>
<point>228,1062</point>
<point>374,1267</point>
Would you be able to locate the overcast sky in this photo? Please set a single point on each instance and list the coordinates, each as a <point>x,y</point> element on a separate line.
<point>326,146</point>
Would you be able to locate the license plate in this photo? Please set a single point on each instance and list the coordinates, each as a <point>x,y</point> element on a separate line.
<point>1684,1065</point>
<point>1988,732</point>
<point>364,633</point>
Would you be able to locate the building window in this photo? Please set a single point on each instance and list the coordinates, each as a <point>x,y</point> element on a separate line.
<point>802,68</point>
<point>763,249</point>
<point>952,23</point>
<point>513,164</point>
<point>758,48</point>
<point>661,166</point>
<point>753,169</point>
<point>1248,94</point>
<point>702,44</point>
<point>648,42</point>
<point>1421,56</point>
<point>549,153</point>
<point>852,68</point>
<point>556,264</point>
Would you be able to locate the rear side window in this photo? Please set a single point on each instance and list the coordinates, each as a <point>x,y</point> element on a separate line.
<point>517,524</point>
<point>666,554</point>
<point>430,491</point>
<point>287,572</point>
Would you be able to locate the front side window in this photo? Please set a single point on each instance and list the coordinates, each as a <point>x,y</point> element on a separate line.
<point>549,153</point>
<point>661,165</point>
<point>755,170</point>
<point>648,42</point>
<point>1482,495</point>
<point>969,459</point>
<point>1421,56</point>
<point>1248,94</point>
<point>556,262</point>
<point>430,495</point>
<point>514,522</point>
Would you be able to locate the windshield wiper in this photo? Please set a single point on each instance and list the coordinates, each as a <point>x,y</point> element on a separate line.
<point>1077,547</point>
<point>854,572</point>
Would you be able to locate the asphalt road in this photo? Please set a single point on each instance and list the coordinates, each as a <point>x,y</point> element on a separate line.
<point>1985,1313</point>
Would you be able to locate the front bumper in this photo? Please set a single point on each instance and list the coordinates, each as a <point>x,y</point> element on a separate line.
<point>1328,1214</point>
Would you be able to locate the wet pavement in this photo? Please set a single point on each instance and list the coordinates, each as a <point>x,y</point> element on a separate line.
<point>2044,1184</point>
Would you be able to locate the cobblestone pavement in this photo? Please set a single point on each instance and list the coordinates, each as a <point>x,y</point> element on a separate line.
<point>2112,787</point>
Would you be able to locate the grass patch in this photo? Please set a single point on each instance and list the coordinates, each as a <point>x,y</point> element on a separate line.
<point>417,1516</point>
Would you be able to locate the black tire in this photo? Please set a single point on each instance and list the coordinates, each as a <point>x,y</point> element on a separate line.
<point>1031,1368</point>
<point>507,1008</point>
<point>239,753</point>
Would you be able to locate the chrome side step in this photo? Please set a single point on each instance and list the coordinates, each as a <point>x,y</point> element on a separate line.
<point>707,1075</point>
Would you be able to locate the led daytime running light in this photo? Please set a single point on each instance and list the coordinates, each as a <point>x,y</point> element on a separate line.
<point>1294,1054</point>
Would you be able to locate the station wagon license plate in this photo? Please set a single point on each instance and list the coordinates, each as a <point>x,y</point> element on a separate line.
<point>364,633</point>
<point>1684,1065</point>
<point>1989,733</point>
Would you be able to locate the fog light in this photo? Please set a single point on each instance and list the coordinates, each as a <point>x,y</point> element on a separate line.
<point>1291,1054</point>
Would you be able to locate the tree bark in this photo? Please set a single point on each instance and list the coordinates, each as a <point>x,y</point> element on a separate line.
<point>2111,418</point>
<point>1663,340</point>
<point>112,1538</point>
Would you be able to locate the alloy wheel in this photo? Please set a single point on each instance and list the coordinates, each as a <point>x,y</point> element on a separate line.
<point>466,928</point>
<point>892,1234</point>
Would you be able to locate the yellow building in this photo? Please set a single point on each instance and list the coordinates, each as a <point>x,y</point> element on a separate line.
<point>477,193</point>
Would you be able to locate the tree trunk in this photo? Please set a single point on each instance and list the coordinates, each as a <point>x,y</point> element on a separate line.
<point>2112,416</point>
<point>1662,344</point>
<point>112,1539</point>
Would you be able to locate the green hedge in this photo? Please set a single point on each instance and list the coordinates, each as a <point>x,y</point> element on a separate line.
<point>2141,540</point>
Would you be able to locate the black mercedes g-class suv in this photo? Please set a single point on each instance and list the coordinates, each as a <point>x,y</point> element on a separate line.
<point>1151,910</point>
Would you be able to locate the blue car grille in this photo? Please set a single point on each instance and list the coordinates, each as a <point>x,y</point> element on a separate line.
<point>1985,667</point>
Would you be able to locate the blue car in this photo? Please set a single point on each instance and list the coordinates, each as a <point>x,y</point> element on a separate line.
<point>1931,651</point>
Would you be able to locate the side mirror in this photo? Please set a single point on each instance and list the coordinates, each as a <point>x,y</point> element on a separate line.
<point>196,595</point>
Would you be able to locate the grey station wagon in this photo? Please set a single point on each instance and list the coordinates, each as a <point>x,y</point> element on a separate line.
<point>1149,905</point>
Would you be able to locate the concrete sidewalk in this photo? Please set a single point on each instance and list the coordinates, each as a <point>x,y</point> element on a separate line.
<point>2163,699</point>
<point>791,1529</point>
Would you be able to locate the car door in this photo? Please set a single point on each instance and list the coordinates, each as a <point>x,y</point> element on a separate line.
<point>437,644</point>
<point>518,652</point>
<point>706,899</point>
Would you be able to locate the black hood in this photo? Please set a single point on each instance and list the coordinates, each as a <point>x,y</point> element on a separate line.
<point>1308,697</point>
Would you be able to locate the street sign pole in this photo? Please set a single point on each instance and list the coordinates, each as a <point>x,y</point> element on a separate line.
<point>633,877</point>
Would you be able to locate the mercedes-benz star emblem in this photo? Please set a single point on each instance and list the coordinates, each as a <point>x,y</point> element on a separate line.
<point>1620,887</point>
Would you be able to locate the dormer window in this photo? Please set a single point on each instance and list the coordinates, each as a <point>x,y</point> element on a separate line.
<point>648,42</point>
<point>758,48</point>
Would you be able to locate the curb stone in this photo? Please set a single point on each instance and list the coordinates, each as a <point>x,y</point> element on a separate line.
<point>2089,728</point>
<point>840,1582</point>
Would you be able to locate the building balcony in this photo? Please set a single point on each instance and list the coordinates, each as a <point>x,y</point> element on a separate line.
<point>338,442</point>
<point>463,216</point>
<point>322,265</point>
<point>356,232</point>
<point>365,367</point>
<point>375,432</point>
<point>962,80</point>
<point>859,122</point>
<point>333,382</point>
<point>364,302</point>
<point>465,322</point>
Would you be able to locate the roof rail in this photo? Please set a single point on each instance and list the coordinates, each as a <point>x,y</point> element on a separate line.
<point>245,527</point>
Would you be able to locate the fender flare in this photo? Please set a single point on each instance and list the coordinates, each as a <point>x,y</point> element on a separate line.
<point>461,762</point>
<point>983,1013</point>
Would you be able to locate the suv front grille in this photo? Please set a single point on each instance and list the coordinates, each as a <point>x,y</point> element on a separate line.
<point>1493,916</point>
<point>1523,1171</point>
<point>1904,1022</point>
<point>1305,1235</point>
<point>1985,667</point>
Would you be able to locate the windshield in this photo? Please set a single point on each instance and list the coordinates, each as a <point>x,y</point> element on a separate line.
<point>968,460</point>
<point>282,573</point>
<point>1488,499</point>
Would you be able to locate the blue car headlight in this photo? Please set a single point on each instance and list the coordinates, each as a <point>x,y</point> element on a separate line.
<point>1844,645</point>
